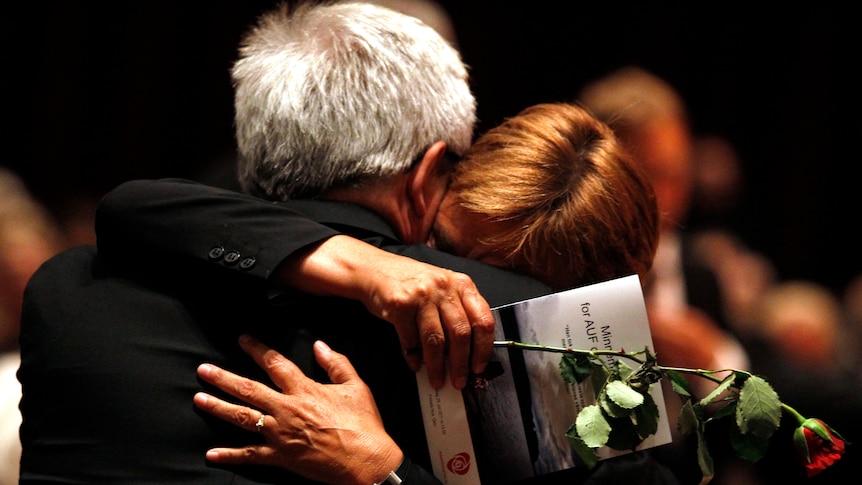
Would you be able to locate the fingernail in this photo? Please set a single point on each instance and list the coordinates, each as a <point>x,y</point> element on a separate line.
<point>321,345</point>
<point>459,383</point>
<point>201,398</point>
<point>205,369</point>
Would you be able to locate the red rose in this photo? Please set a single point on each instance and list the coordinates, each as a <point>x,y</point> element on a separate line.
<point>818,444</point>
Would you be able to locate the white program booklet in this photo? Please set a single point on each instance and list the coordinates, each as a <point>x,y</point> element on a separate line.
<point>512,425</point>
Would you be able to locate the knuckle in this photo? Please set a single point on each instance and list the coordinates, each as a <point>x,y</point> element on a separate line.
<point>438,282</point>
<point>434,341</point>
<point>243,416</point>
<point>460,332</point>
<point>249,453</point>
<point>424,289</point>
<point>462,281</point>
<point>272,359</point>
<point>246,389</point>
<point>484,323</point>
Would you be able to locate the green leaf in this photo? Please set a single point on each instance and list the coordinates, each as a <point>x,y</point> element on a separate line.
<point>585,453</point>
<point>623,395</point>
<point>646,417</point>
<point>719,390</point>
<point>679,384</point>
<point>749,447</point>
<point>575,369</point>
<point>691,421</point>
<point>624,370</point>
<point>623,435</point>
<point>704,459</point>
<point>592,427</point>
<point>759,409</point>
<point>611,408</point>
<point>688,421</point>
<point>724,411</point>
<point>598,379</point>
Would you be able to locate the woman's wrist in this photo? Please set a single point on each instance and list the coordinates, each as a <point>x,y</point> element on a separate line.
<point>326,268</point>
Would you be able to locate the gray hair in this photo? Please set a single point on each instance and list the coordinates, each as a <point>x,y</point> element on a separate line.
<point>331,94</point>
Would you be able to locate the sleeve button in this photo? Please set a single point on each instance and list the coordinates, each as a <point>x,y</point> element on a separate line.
<point>231,257</point>
<point>247,263</point>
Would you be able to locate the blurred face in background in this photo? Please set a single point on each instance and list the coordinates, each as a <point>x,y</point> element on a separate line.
<point>664,147</point>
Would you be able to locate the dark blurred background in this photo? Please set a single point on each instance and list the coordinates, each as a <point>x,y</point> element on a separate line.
<point>97,93</point>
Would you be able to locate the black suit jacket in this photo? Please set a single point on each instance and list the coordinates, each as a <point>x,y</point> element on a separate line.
<point>701,284</point>
<point>111,340</point>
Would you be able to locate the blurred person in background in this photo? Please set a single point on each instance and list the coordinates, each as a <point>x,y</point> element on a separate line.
<point>801,325</point>
<point>28,237</point>
<point>716,209</point>
<point>803,346</point>
<point>684,300</point>
<point>681,292</point>
<point>719,182</point>
<point>851,307</point>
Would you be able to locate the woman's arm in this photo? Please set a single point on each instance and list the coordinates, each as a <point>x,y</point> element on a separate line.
<point>326,432</point>
<point>165,228</point>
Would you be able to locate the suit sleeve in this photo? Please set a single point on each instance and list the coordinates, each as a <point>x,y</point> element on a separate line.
<point>412,474</point>
<point>167,221</point>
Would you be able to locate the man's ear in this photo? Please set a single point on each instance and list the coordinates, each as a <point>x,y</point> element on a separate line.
<point>427,184</point>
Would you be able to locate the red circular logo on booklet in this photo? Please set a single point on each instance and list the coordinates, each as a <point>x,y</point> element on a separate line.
<point>459,464</point>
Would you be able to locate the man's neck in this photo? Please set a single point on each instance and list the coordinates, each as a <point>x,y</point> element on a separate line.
<point>385,198</point>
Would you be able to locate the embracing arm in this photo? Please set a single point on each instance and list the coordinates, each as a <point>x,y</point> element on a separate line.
<point>160,224</point>
<point>159,220</point>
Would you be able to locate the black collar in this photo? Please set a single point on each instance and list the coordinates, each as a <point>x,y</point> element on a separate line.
<point>346,217</point>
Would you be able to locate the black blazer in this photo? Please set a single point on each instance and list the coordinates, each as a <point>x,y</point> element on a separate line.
<point>111,339</point>
<point>701,285</point>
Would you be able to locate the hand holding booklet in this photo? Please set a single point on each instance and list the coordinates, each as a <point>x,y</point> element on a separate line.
<point>510,423</point>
